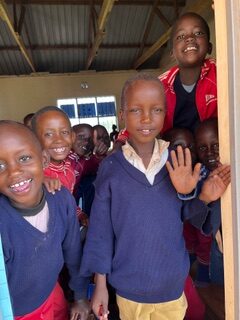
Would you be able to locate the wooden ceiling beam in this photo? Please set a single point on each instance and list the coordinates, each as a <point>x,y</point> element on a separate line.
<point>162,18</point>
<point>4,14</point>
<point>197,7</point>
<point>167,3</point>
<point>148,27</point>
<point>101,24</point>
<point>73,47</point>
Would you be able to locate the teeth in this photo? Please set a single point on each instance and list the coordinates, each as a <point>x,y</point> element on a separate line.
<point>190,49</point>
<point>17,185</point>
<point>59,150</point>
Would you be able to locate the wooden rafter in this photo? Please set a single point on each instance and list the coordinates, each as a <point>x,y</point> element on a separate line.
<point>167,3</point>
<point>4,14</point>
<point>148,27</point>
<point>162,18</point>
<point>101,24</point>
<point>197,7</point>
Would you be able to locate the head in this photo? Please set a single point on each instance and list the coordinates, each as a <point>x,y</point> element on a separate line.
<point>27,120</point>
<point>100,134</point>
<point>21,165</point>
<point>207,146</point>
<point>53,129</point>
<point>181,137</point>
<point>114,127</point>
<point>143,108</point>
<point>190,40</point>
<point>83,143</point>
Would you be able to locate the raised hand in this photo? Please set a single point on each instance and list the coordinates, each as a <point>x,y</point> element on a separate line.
<point>183,177</point>
<point>216,184</point>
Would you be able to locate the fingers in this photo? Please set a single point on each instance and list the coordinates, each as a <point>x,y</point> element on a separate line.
<point>181,157</point>
<point>196,171</point>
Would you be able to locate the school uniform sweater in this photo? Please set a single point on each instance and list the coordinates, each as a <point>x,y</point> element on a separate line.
<point>135,232</point>
<point>34,259</point>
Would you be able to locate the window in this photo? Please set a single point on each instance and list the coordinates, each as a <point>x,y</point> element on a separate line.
<point>91,110</point>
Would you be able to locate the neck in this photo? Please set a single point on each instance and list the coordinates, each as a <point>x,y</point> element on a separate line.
<point>189,76</point>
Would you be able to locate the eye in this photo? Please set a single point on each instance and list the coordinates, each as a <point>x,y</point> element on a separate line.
<point>199,33</point>
<point>158,110</point>
<point>215,146</point>
<point>202,148</point>
<point>180,37</point>
<point>65,132</point>
<point>48,134</point>
<point>135,110</point>
<point>2,166</point>
<point>25,158</point>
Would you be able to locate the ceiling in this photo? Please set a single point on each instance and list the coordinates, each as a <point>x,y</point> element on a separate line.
<point>57,36</point>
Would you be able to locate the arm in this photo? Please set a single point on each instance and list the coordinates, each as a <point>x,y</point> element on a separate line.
<point>100,297</point>
<point>72,252</point>
<point>183,178</point>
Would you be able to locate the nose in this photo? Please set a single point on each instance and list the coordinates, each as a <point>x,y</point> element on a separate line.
<point>146,117</point>
<point>14,168</point>
<point>190,38</point>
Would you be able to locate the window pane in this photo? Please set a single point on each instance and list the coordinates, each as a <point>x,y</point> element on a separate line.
<point>69,109</point>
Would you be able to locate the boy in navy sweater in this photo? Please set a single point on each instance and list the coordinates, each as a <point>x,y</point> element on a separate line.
<point>39,231</point>
<point>135,234</point>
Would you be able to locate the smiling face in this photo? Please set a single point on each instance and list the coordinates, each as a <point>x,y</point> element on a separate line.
<point>54,132</point>
<point>143,112</point>
<point>190,41</point>
<point>207,145</point>
<point>21,166</point>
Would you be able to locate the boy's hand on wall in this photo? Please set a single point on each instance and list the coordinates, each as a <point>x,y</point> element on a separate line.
<point>183,177</point>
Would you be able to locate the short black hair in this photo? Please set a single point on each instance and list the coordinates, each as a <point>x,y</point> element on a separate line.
<point>27,118</point>
<point>189,14</point>
<point>82,125</point>
<point>138,77</point>
<point>44,110</point>
<point>22,126</point>
<point>212,122</point>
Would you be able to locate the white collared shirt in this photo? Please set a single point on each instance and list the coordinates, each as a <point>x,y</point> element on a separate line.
<point>158,159</point>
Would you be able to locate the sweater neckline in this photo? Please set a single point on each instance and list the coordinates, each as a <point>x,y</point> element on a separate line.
<point>23,223</point>
<point>137,174</point>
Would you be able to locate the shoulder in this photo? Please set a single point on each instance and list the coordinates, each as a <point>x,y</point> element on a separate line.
<point>62,198</point>
<point>169,75</point>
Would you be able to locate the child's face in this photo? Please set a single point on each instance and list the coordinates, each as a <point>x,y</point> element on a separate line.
<point>207,146</point>
<point>21,166</point>
<point>144,112</point>
<point>101,135</point>
<point>190,42</point>
<point>83,143</point>
<point>55,135</point>
<point>184,139</point>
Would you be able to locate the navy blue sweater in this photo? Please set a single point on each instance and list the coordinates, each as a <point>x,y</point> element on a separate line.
<point>135,233</point>
<point>34,259</point>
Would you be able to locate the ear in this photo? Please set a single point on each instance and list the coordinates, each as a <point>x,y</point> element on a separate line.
<point>45,159</point>
<point>121,115</point>
<point>73,136</point>
<point>209,48</point>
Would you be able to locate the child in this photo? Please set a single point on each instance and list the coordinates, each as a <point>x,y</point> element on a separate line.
<point>190,87</point>
<point>135,233</point>
<point>207,147</point>
<point>101,140</point>
<point>197,244</point>
<point>39,231</point>
<point>53,129</point>
<point>88,163</point>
